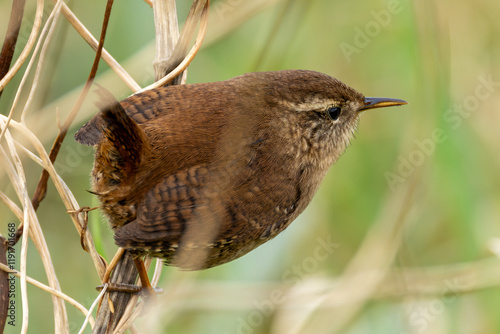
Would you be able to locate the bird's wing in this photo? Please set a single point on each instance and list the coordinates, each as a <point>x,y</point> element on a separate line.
<point>174,215</point>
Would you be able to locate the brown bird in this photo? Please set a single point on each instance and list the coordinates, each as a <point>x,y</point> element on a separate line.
<point>201,174</point>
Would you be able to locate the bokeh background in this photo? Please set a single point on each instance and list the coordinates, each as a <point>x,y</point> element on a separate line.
<point>402,235</point>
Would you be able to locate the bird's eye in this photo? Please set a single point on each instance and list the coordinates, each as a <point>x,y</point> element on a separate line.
<point>334,112</point>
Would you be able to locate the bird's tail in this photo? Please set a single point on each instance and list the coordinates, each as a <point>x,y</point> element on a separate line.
<point>122,141</point>
<point>122,133</point>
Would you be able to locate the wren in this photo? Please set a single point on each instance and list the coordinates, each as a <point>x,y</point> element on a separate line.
<point>201,174</point>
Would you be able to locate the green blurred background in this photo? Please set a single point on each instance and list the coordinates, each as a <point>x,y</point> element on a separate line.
<point>421,181</point>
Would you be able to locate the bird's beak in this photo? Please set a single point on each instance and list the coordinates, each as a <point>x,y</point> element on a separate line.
<point>381,102</point>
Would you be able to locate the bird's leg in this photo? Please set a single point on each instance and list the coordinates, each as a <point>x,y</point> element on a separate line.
<point>146,287</point>
<point>143,275</point>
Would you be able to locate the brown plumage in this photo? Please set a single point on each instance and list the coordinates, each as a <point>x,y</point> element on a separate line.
<point>202,174</point>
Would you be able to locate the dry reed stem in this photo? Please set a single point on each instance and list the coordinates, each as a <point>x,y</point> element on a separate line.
<point>187,60</point>
<point>52,18</point>
<point>132,311</point>
<point>11,205</point>
<point>27,48</point>
<point>64,192</point>
<point>52,291</point>
<point>197,10</point>
<point>49,30</point>
<point>170,47</point>
<point>32,225</point>
<point>17,178</point>
<point>157,272</point>
<point>166,34</point>
<point>135,308</point>
<point>21,59</point>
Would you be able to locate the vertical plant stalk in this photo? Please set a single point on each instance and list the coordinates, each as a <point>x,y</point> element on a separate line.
<point>114,303</point>
<point>167,35</point>
<point>171,49</point>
